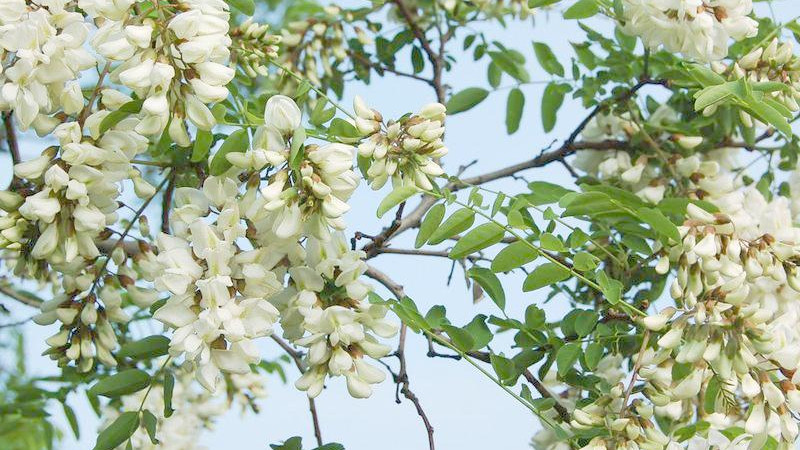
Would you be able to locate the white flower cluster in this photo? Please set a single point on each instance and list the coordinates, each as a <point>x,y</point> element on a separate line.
<point>42,46</point>
<point>73,189</point>
<point>317,43</point>
<point>699,29</point>
<point>309,195</point>
<point>773,62</point>
<point>254,46</point>
<point>177,64</point>
<point>404,151</point>
<point>738,303</point>
<point>195,411</point>
<point>218,293</point>
<point>326,311</point>
<point>639,176</point>
<point>731,331</point>
<point>68,201</point>
<point>222,296</point>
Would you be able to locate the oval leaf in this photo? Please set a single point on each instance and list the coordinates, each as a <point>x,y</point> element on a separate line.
<point>482,236</point>
<point>122,383</point>
<point>466,99</point>
<point>544,275</point>
<point>397,196</point>
<point>460,221</point>
<point>238,141</point>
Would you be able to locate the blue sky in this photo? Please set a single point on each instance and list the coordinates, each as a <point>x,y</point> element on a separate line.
<point>466,409</point>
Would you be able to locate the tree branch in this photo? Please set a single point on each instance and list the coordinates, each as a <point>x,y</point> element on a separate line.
<point>19,296</point>
<point>297,357</point>
<point>436,59</point>
<point>402,376</point>
<point>11,142</point>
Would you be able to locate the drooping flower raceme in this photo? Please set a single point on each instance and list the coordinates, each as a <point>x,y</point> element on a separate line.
<point>404,151</point>
<point>218,300</point>
<point>699,29</point>
<point>325,310</point>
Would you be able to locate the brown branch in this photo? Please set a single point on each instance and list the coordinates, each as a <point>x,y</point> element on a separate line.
<point>635,372</point>
<point>11,142</point>
<point>166,203</point>
<point>381,68</point>
<point>420,252</point>
<point>401,378</point>
<point>436,59</point>
<point>87,110</point>
<point>19,296</point>
<point>297,357</point>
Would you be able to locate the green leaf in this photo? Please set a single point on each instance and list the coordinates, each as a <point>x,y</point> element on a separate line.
<point>238,141</point>
<point>566,357</point>
<point>611,288</point>
<point>460,337</point>
<point>514,107</point>
<point>69,413</point>
<point>169,386</point>
<point>538,3</point>
<point>494,75</point>
<point>507,62</point>
<point>584,261</point>
<point>296,152</point>
<point>593,355</point>
<point>547,59</point>
<point>247,7</point>
<point>118,432</point>
<point>480,333</point>
<point>544,275</point>
<point>466,99</point>
<point>202,145</point>
<point>343,129</point>
<point>459,222</point>
<point>585,322</point>
<point>149,347</point>
<point>293,443</point>
<point>482,236</point>
<point>543,193</point>
<point>331,446</point>
<point>429,224</point>
<point>770,115</point>
<point>713,95</point>
<point>150,422</point>
<point>397,196</point>
<point>436,316</point>
<point>504,368</point>
<point>550,242</point>
<point>417,62</point>
<point>552,99</point>
<point>122,383</point>
<point>659,223</point>
<point>583,9</point>
<point>490,284</point>
<point>115,117</point>
<point>514,255</point>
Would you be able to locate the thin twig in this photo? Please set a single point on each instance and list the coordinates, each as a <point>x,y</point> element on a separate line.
<point>297,357</point>
<point>402,376</point>
<point>19,296</point>
<point>636,366</point>
<point>11,142</point>
<point>436,59</point>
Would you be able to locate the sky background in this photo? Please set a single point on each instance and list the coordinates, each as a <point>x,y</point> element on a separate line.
<point>466,409</point>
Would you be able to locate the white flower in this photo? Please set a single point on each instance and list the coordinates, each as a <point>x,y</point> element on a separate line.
<point>283,114</point>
